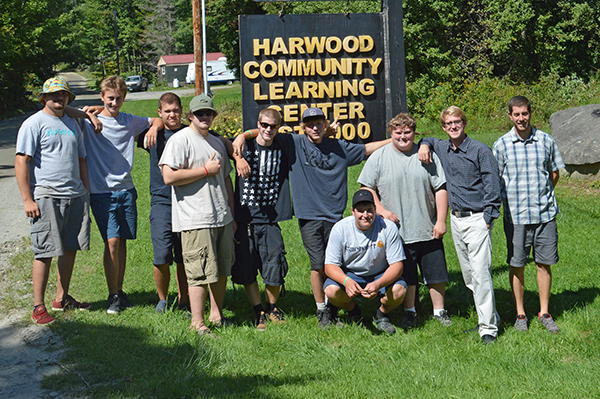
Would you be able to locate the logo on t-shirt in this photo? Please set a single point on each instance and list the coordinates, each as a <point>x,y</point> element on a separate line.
<point>380,244</point>
<point>262,187</point>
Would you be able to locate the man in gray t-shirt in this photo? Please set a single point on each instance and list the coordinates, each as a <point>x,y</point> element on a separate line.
<point>51,174</point>
<point>364,258</point>
<point>413,195</point>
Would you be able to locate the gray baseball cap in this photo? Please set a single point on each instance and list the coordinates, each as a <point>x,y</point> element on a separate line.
<point>201,102</point>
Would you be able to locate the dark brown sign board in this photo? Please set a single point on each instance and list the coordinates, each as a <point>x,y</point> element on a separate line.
<point>331,61</point>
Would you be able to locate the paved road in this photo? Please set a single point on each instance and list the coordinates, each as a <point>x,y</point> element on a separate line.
<point>14,224</point>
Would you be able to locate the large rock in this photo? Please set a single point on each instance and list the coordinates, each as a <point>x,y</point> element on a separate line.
<point>577,134</point>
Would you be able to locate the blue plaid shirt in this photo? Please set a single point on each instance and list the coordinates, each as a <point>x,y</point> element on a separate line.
<point>526,168</point>
<point>472,176</point>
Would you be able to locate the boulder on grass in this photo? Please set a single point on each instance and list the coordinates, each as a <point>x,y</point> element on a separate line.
<point>577,134</point>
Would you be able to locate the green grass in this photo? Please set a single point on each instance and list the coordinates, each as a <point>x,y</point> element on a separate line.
<point>140,354</point>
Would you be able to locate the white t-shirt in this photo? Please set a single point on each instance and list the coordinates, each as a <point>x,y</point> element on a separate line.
<point>55,146</point>
<point>203,203</point>
<point>110,152</point>
<point>364,253</point>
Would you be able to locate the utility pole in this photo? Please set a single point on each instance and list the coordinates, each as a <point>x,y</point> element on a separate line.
<point>117,42</point>
<point>198,46</point>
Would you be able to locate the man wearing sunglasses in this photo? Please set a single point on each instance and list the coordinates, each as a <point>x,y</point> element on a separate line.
<point>195,163</point>
<point>262,200</point>
<point>319,179</point>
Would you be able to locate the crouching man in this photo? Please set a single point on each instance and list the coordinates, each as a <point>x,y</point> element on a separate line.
<point>364,257</point>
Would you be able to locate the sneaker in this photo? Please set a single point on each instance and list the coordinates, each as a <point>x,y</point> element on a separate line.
<point>325,319</point>
<point>113,304</point>
<point>333,311</point>
<point>69,303</point>
<point>276,316</point>
<point>548,322</point>
<point>488,339</point>
<point>185,307</point>
<point>358,317</point>
<point>161,307</point>
<point>125,302</point>
<point>521,323</point>
<point>409,321</point>
<point>260,321</point>
<point>444,318</point>
<point>383,324</point>
<point>40,316</point>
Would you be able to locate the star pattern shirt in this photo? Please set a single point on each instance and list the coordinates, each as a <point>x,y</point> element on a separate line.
<point>265,196</point>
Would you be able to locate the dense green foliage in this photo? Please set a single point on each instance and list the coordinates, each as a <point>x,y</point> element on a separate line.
<point>447,42</point>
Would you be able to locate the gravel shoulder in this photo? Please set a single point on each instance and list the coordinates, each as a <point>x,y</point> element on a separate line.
<point>29,352</point>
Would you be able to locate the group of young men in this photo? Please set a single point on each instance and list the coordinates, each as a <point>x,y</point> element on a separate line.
<point>211,231</point>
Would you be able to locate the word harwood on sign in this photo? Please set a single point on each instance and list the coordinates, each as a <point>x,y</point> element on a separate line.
<point>328,61</point>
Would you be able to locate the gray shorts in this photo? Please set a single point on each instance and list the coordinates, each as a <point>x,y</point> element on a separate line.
<point>63,225</point>
<point>259,247</point>
<point>315,235</point>
<point>165,243</point>
<point>543,237</point>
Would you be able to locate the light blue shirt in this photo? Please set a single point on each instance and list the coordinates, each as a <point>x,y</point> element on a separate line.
<point>364,253</point>
<point>526,168</point>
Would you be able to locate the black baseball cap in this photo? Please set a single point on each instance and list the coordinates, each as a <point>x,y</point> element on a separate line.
<point>362,196</point>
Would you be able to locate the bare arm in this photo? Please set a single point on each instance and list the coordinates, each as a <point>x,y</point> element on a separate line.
<point>441,204</point>
<point>22,175</point>
<point>83,173</point>
<point>380,209</point>
<point>181,177</point>
<point>76,113</point>
<point>554,178</point>
<point>152,134</point>
<point>336,273</point>
<point>240,141</point>
<point>375,145</point>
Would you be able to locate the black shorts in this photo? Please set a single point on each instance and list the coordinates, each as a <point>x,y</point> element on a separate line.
<point>315,235</point>
<point>430,257</point>
<point>259,247</point>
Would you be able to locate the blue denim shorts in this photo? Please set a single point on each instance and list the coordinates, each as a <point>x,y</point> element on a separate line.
<point>364,280</point>
<point>116,214</point>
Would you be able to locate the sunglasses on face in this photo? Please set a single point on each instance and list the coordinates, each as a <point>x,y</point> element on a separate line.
<point>202,114</point>
<point>266,125</point>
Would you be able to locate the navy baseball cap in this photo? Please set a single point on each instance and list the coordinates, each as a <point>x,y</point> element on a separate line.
<point>312,113</point>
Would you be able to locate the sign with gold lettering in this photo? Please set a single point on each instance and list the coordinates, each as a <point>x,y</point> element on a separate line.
<point>329,61</point>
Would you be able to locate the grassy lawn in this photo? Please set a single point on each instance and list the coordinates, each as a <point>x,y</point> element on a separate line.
<point>140,354</point>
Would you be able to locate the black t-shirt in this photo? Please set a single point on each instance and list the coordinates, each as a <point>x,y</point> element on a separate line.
<point>265,196</point>
<point>159,191</point>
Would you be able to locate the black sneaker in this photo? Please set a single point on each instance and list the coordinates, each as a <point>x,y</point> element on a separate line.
<point>276,316</point>
<point>325,319</point>
<point>488,339</point>
<point>383,324</point>
<point>409,321</point>
<point>113,304</point>
<point>357,316</point>
<point>333,311</point>
<point>260,321</point>
<point>125,302</point>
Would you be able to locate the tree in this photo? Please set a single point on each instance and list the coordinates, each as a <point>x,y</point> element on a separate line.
<point>34,35</point>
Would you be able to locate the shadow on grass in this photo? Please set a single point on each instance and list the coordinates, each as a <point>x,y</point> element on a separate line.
<point>113,360</point>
